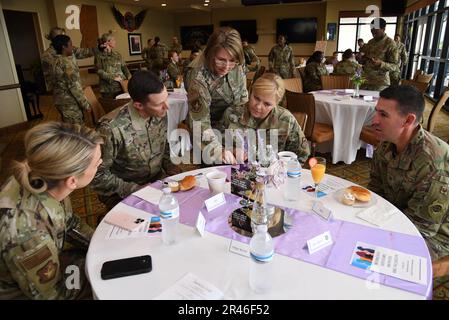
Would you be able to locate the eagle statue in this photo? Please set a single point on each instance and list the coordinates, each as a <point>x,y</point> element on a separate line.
<point>129,21</point>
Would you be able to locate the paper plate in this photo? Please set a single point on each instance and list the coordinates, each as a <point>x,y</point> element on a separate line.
<point>338,195</point>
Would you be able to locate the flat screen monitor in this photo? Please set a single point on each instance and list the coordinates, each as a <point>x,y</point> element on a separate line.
<point>192,36</point>
<point>300,30</point>
<point>246,28</point>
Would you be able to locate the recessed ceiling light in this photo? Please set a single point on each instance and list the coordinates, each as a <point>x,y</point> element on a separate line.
<point>206,4</point>
<point>164,4</point>
<point>207,1</point>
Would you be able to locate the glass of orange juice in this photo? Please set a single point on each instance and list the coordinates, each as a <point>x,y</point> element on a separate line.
<point>318,168</point>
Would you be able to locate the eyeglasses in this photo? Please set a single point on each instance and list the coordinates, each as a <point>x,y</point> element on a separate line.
<point>223,63</point>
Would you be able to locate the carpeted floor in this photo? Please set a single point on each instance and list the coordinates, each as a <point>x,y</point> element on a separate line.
<point>86,204</point>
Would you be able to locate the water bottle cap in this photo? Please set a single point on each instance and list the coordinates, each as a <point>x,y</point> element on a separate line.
<point>166,190</point>
<point>262,228</point>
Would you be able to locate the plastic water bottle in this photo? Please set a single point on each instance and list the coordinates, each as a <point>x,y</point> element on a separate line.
<point>293,181</point>
<point>169,212</point>
<point>261,267</point>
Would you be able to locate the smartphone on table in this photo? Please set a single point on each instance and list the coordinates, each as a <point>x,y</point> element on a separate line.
<point>126,267</point>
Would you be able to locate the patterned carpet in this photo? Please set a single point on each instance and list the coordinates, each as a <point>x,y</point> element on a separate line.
<point>86,204</point>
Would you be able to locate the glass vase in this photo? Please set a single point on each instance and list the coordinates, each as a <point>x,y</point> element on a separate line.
<point>356,90</point>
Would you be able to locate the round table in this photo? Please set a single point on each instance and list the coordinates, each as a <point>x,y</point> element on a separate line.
<point>209,258</point>
<point>347,115</point>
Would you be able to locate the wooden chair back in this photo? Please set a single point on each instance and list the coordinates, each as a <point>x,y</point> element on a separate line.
<point>335,82</point>
<point>436,109</point>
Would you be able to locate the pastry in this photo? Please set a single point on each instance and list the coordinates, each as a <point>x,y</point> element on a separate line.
<point>174,186</point>
<point>187,183</point>
<point>348,198</point>
<point>360,194</point>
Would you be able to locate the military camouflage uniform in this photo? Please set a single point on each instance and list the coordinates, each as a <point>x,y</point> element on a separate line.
<point>252,61</point>
<point>68,95</point>
<point>417,182</point>
<point>146,56</point>
<point>312,76</point>
<point>33,230</point>
<point>134,152</point>
<point>157,54</point>
<point>395,76</point>
<point>282,61</point>
<point>346,67</point>
<point>173,72</point>
<point>177,48</point>
<point>110,65</point>
<point>290,136</point>
<point>386,50</point>
<point>48,61</point>
<point>210,95</point>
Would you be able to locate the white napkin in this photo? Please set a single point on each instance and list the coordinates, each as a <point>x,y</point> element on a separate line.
<point>149,194</point>
<point>377,214</point>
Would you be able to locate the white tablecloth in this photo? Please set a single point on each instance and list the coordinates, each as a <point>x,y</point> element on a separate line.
<point>177,112</point>
<point>347,116</point>
<point>209,258</point>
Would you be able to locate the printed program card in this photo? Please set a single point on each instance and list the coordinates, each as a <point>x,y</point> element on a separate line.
<point>327,186</point>
<point>390,262</point>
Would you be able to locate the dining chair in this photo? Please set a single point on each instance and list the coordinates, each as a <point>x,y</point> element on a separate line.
<point>368,135</point>
<point>335,82</point>
<point>421,86</point>
<point>293,84</point>
<point>97,108</point>
<point>301,117</point>
<point>417,73</point>
<point>124,84</point>
<point>110,104</point>
<point>424,77</point>
<point>316,132</point>
<point>436,109</point>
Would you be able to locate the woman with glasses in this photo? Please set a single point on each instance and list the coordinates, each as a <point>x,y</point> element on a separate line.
<point>216,82</point>
<point>263,112</point>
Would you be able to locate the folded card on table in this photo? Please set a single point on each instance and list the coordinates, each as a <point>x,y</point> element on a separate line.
<point>378,214</point>
<point>149,194</point>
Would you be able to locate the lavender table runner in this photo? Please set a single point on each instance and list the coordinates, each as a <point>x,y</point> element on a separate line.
<point>305,226</point>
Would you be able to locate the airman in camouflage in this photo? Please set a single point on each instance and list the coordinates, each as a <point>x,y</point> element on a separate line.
<point>413,172</point>
<point>173,68</point>
<point>110,68</point>
<point>157,53</point>
<point>315,68</point>
<point>348,65</point>
<point>33,230</point>
<point>176,46</point>
<point>146,53</point>
<point>135,151</point>
<point>395,76</point>
<point>290,136</point>
<point>252,61</point>
<point>381,57</point>
<point>281,59</point>
<point>68,95</point>
<point>49,56</point>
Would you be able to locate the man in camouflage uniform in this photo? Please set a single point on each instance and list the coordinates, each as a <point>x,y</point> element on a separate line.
<point>173,68</point>
<point>146,53</point>
<point>33,231</point>
<point>157,54</point>
<point>381,57</point>
<point>49,56</point>
<point>359,55</point>
<point>281,59</point>
<point>209,95</point>
<point>68,95</point>
<point>395,76</point>
<point>135,151</point>
<point>176,46</point>
<point>252,61</point>
<point>290,136</point>
<point>411,166</point>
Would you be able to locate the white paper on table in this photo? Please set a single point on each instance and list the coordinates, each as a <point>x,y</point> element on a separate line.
<point>190,287</point>
<point>115,232</point>
<point>326,186</point>
<point>378,214</point>
<point>149,194</point>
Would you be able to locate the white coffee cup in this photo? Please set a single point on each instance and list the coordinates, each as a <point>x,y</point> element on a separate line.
<point>216,181</point>
<point>285,156</point>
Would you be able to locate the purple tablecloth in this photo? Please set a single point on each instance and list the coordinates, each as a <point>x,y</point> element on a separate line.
<point>305,226</point>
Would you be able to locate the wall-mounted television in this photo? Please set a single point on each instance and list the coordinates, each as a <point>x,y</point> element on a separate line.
<point>297,30</point>
<point>192,36</point>
<point>246,28</point>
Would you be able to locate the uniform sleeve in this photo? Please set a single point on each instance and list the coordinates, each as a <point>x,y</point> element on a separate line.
<point>271,59</point>
<point>105,182</point>
<point>101,72</point>
<point>79,232</point>
<point>125,69</point>
<point>47,68</point>
<point>291,61</point>
<point>404,56</point>
<point>392,59</point>
<point>172,72</point>
<point>83,53</point>
<point>255,61</point>
<point>199,100</point>
<point>297,142</point>
<point>375,183</point>
<point>74,86</point>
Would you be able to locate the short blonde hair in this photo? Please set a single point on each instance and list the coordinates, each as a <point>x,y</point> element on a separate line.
<point>55,151</point>
<point>105,37</point>
<point>269,83</point>
<point>224,38</point>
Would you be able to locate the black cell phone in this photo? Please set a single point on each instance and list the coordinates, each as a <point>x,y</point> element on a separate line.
<point>126,267</point>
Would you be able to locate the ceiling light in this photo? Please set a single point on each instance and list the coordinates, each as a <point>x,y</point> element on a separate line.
<point>207,1</point>
<point>206,4</point>
<point>164,4</point>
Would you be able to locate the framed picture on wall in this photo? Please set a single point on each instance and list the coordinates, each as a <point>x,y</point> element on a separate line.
<point>135,43</point>
<point>331,32</point>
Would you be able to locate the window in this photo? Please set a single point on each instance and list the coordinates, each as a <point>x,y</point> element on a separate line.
<point>352,28</point>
